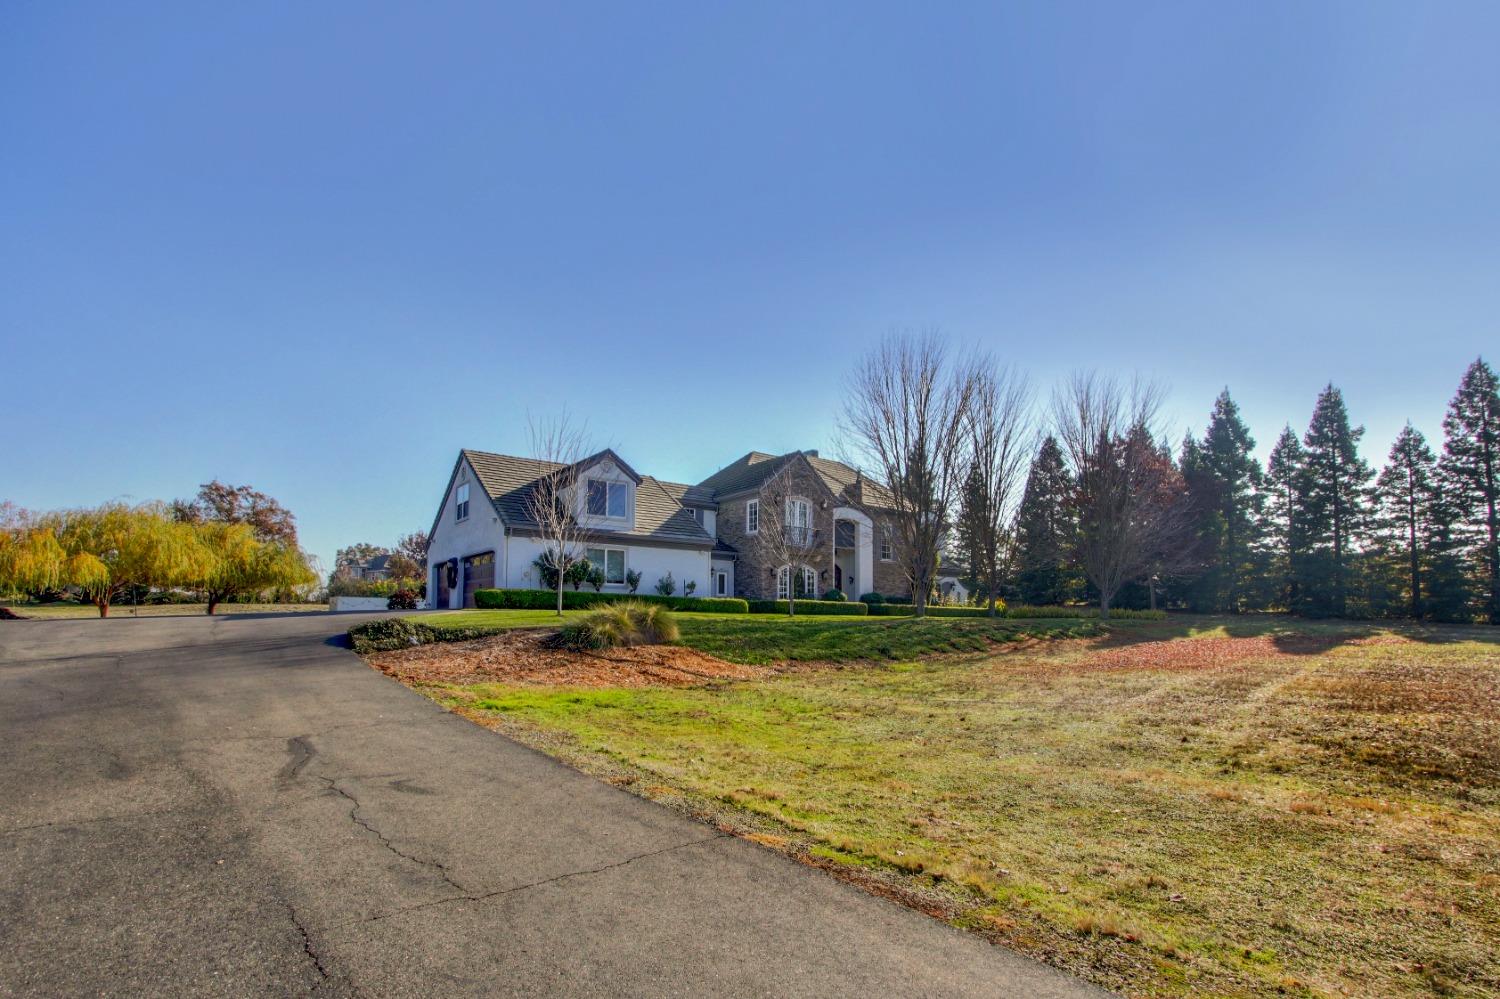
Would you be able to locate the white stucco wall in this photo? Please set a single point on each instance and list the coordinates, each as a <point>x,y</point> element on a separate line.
<point>651,562</point>
<point>725,566</point>
<point>481,531</point>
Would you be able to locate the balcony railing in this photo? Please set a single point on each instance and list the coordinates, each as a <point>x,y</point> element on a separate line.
<point>803,537</point>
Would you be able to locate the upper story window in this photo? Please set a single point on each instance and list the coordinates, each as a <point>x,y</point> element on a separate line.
<point>752,517</point>
<point>886,554</point>
<point>608,499</point>
<point>461,502</point>
<point>798,513</point>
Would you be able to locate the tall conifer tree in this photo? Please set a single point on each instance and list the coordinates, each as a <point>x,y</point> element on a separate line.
<point>1471,463</point>
<point>1228,487</point>
<point>1407,492</point>
<point>1285,520</point>
<point>1044,528</point>
<point>1335,501</point>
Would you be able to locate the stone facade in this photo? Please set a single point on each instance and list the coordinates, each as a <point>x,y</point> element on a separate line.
<point>755,578</point>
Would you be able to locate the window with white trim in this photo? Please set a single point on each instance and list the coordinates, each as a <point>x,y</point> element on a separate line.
<point>806,579</point>
<point>721,584</point>
<point>886,552</point>
<point>608,499</point>
<point>461,502</point>
<point>611,560</point>
<point>752,517</point>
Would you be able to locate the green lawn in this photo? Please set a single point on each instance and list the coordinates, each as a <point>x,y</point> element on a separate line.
<point>765,638</point>
<point>62,611</point>
<point>1311,810</point>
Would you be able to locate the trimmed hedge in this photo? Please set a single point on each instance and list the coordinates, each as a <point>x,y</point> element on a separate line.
<point>933,610</point>
<point>809,607</point>
<point>391,633</point>
<point>584,599</point>
<point>1115,613</point>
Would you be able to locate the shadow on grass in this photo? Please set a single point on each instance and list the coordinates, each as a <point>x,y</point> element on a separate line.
<point>1293,635</point>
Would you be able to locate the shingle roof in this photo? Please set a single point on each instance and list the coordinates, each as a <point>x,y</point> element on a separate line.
<point>659,516</point>
<point>687,495</point>
<point>751,471</point>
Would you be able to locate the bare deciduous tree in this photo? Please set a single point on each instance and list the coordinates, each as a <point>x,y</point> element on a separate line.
<point>1000,440</point>
<point>1132,517</point>
<point>553,504</point>
<point>905,419</point>
<point>787,537</point>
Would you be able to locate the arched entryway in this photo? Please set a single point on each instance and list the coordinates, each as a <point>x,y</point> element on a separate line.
<point>853,568</point>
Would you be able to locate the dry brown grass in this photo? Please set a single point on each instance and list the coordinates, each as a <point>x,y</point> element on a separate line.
<point>1221,808</point>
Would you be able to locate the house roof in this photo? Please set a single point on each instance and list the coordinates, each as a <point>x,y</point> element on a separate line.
<point>659,515</point>
<point>695,496</point>
<point>752,471</point>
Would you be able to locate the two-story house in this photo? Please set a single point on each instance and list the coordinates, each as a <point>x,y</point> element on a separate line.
<point>704,534</point>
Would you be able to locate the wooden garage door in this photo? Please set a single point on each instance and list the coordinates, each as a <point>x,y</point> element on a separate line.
<point>479,574</point>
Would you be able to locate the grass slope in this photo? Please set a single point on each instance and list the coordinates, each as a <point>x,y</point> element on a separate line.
<point>1322,818</point>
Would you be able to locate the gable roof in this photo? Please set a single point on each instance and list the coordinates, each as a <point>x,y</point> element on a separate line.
<point>509,482</point>
<point>752,471</point>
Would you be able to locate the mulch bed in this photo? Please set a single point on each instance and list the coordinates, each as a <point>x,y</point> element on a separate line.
<point>523,657</point>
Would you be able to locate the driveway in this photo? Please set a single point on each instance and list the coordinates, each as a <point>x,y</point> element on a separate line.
<point>237,806</point>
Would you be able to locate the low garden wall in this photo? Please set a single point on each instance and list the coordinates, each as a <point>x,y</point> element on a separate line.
<point>337,605</point>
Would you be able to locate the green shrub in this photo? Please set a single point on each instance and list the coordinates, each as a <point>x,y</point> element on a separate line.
<point>373,587</point>
<point>633,622</point>
<point>808,607</point>
<point>835,595</point>
<point>666,585</point>
<point>872,598</point>
<point>389,634</point>
<point>887,610</point>
<point>583,600</point>
<point>402,600</point>
<point>1115,614</point>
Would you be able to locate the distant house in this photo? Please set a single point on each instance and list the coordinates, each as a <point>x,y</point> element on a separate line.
<point>950,584</point>
<point>376,567</point>
<point>704,533</point>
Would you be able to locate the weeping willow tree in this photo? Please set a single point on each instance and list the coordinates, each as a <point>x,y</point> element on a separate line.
<point>104,551</point>
<point>239,562</point>
<point>33,561</point>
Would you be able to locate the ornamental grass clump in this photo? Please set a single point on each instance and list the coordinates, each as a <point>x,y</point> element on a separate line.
<point>633,622</point>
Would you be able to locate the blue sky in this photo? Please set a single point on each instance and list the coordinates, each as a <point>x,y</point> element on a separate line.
<point>320,247</point>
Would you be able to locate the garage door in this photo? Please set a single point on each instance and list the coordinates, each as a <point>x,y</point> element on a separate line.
<point>479,574</point>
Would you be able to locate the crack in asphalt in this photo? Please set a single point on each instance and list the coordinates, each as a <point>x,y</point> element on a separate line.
<point>484,896</point>
<point>302,752</point>
<point>324,975</point>
<point>68,823</point>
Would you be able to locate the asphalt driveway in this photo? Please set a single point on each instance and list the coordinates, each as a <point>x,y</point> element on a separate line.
<point>238,806</point>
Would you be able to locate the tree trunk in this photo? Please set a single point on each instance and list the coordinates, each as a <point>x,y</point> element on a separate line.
<point>1416,568</point>
<point>1104,605</point>
<point>213,601</point>
<point>559,593</point>
<point>104,607</point>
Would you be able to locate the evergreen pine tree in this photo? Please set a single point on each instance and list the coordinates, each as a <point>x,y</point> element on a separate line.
<point>1407,493</point>
<point>1471,464</point>
<point>1285,525</point>
<point>1044,526</point>
<point>1335,502</point>
<point>1231,479</point>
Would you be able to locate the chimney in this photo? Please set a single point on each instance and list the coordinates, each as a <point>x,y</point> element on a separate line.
<point>811,453</point>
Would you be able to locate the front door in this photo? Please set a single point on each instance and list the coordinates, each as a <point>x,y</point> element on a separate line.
<point>444,592</point>
<point>479,574</point>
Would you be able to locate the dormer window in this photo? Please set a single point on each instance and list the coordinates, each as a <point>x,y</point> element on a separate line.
<point>608,499</point>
